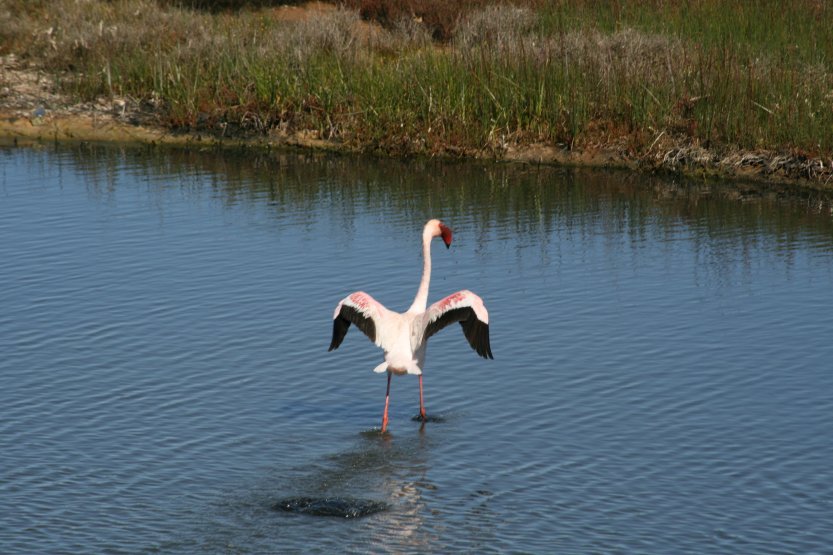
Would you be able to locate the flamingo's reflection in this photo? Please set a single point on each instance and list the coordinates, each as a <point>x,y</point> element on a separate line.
<point>380,468</point>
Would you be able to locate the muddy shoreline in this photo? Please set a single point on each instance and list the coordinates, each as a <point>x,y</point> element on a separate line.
<point>32,113</point>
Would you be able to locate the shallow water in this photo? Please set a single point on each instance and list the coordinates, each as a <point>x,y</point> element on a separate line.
<point>661,384</point>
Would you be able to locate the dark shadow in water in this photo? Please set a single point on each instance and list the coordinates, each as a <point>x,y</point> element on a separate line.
<point>382,477</point>
<point>344,507</point>
<point>429,418</point>
<point>378,491</point>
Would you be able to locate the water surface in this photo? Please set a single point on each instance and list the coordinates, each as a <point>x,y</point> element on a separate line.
<point>661,384</point>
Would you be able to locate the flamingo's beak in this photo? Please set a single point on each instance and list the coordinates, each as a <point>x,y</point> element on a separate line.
<point>445,233</point>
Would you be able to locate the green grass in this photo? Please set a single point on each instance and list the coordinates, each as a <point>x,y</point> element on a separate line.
<point>761,68</point>
<point>750,75</point>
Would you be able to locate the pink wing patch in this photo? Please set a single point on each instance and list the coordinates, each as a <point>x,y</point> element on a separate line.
<point>360,300</point>
<point>457,300</point>
<point>451,301</point>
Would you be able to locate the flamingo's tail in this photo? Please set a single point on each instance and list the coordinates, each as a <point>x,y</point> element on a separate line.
<point>402,367</point>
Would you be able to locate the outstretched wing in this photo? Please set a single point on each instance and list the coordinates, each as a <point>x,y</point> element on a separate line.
<point>468,309</point>
<point>362,310</point>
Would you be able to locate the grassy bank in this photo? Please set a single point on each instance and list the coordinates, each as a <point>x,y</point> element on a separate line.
<point>638,76</point>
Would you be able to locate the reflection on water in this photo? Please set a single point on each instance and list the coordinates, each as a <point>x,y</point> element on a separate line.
<point>521,199</point>
<point>661,381</point>
<point>373,470</point>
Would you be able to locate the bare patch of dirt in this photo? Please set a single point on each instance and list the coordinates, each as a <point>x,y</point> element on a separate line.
<point>32,108</point>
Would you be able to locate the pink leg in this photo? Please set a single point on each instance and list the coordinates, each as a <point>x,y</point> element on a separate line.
<point>387,402</point>
<point>421,402</point>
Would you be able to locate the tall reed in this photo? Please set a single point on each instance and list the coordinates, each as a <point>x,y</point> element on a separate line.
<point>577,73</point>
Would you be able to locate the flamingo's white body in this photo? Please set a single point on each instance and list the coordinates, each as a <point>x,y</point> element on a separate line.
<point>404,336</point>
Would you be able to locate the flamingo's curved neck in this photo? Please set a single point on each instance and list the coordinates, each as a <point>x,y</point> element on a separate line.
<point>421,299</point>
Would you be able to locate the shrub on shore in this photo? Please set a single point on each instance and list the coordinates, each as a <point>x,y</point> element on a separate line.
<point>573,72</point>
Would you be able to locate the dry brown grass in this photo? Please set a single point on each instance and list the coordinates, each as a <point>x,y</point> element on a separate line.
<point>439,17</point>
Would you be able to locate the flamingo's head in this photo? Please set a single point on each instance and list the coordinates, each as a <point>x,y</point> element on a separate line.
<point>435,228</point>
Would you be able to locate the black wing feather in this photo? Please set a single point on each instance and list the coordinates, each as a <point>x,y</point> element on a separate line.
<point>476,332</point>
<point>349,315</point>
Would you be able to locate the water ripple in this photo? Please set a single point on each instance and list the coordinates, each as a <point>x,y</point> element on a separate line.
<point>660,380</point>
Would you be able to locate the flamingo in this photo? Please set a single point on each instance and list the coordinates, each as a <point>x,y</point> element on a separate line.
<point>404,336</point>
